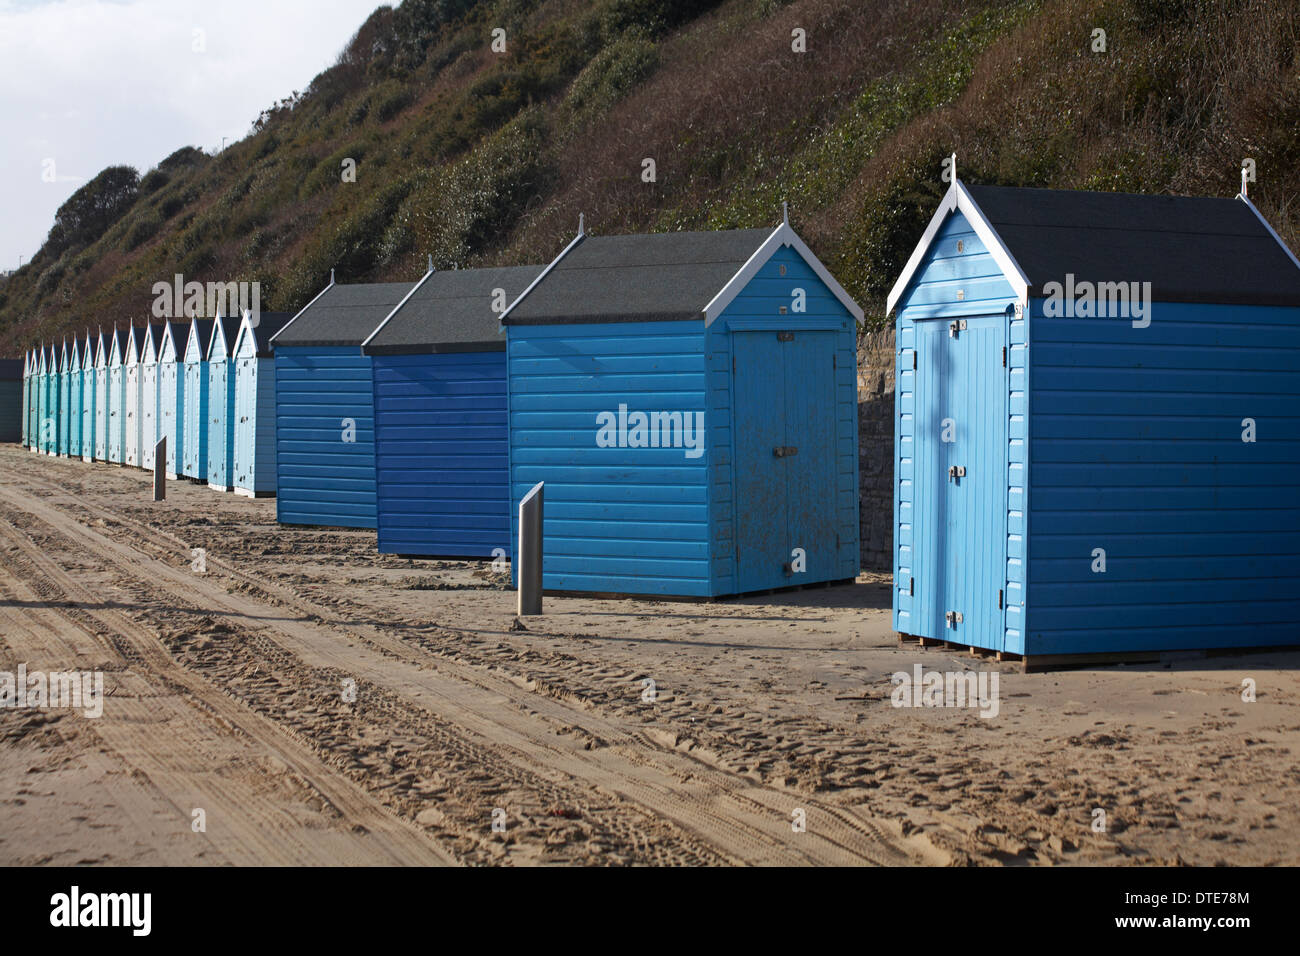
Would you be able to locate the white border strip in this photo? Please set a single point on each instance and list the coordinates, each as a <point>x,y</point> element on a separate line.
<point>424,278</point>
<point>1271,232</point>
<point>542,275</point>
<point>300,311</point>
<point>783,235</point>
<point>957,199</point>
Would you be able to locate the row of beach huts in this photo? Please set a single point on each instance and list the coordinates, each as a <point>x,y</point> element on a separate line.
<point>1096,421</point>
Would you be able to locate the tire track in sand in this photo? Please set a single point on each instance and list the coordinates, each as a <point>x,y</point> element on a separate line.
<point>746,821</point>
<point>187,728</point>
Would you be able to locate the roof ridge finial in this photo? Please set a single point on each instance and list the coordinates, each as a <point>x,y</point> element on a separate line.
<point>954,167</point>
<point>1245,173</point>
<point>331,275</point>
<point>430,269</point>
<point>785,212</point>
<point>582,224</point>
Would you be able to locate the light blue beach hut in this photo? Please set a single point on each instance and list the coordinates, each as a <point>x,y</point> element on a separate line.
<point>74,399</point>
<point>65,399</point>
<point>171,390</point>
<point>254,454</point>
<point>149,345</point>
<point>194,430</point>
<point>131,403</point>
<point>118,346</point>
<point>101,398</point>
<point>88,399</point>
<point>221,402</point>
<point>1097,444</point>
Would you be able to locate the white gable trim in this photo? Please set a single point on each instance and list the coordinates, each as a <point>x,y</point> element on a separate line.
<point>542,275</point>
<point>101,353</point>
<point>193,336</point>
<point>957,199</point>
<point>218,329</point>
<point>303,309</point>
<point>783,235</point>
<point>245,327</point>
<point>168,338</point>
<point>397,308</point>
<point>88,355</point>
<point>1271,232</point>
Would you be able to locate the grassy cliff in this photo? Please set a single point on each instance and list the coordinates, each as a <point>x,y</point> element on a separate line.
<point>480,157</point>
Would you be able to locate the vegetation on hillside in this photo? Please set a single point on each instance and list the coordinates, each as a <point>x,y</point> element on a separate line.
<point>479,157</point>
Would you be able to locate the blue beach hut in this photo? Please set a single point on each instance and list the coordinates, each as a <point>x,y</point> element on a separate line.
<point>118,345</point>
<point>88,358</point>
<point>1097,451</point>
<point>194,426</point>
<point>441,449</point>
<point>221,402</point>
<point>101,398</point>
<point>324,421</point>
<point>253,458</point>
<point>171,390</point>
<point>689,399</point>
<point>65,399</point>
<point>74,399</point>
<point>149,345</point>
<point>131,403</point>
<point>27,395</point>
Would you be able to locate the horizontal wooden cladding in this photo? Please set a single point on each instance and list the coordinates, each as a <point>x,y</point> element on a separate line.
<point>561,379</point>
<point>324,437</point>
<point>1164,635</point>
<point>441,453</point>
<point>1136,449</point>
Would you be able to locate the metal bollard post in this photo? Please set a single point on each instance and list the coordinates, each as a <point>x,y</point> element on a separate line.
<point>160,469</point>
<point>530,551</point>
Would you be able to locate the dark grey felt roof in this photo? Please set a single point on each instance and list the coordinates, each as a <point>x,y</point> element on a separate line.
<point>344,314</point>
<point>11,368</point>
<point>666,276</point>
<point>452,312</point>
<point>1191,249</point>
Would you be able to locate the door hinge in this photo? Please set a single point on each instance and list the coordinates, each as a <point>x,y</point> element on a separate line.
<point>835,361</point>
<point>914,360</point>
<point>999,599</point>
<point>785,336</point>
<point>952,618</point>
<point>911,587</point>
<point>1004,356</point>
<point>733,363</point>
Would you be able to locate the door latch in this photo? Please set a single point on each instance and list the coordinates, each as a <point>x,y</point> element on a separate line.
<point>785,451</point>
<point>956,471</point>
<point>955,326</point>
<point>952,618</point>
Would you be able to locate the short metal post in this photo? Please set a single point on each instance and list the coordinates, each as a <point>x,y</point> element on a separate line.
<point>160,469</point>
<point>530,551</point>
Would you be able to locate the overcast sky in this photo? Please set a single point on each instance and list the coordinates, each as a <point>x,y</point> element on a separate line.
<point>94,83</point>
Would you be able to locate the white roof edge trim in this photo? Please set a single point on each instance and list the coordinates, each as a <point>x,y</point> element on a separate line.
<point>957,199</point>
<point>397,308</point>
<point>542,275</point>
<point>218,328</point>
<point>783,235</point>
<point>1271,231</point>
<point>305,307</point>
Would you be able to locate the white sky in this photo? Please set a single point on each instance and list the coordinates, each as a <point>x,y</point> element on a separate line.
<point>94,83</point>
